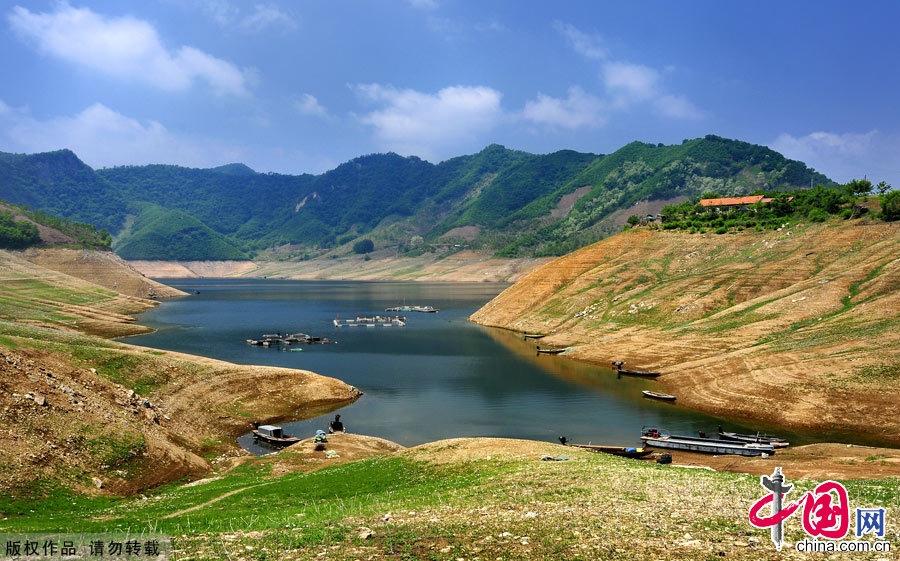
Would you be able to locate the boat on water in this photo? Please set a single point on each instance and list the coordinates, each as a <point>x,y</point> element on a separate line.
<point>623,372</point>
<point>653,437</point>
<point>273,435</point>
<point>761,438</point>
<point>541,351</point>
<point>658,395</point>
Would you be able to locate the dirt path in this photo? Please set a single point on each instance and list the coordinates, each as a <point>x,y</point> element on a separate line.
<point>215,500</point>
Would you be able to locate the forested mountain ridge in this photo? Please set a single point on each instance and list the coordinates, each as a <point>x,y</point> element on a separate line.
<point>498,200</point>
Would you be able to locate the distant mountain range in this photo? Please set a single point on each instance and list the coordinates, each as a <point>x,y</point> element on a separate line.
<point>502,201</point>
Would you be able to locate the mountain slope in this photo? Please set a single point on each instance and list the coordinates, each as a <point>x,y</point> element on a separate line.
<point>61,184</point>
<point>498,200</point>
<point>791,327</point>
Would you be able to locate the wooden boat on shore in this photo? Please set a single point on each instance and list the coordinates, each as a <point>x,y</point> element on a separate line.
<point>541,351</point>
<point>533,336</point>
<point>273,435</point>
<point>657,395</point>
<point>623,372</point>
<point>616,450</point>
<point>760,438</point>
<point>652,437</point>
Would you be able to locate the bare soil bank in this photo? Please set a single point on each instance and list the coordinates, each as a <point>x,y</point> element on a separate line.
<point>465,266</point>
<point>799,327</point>
<point>80,411</point>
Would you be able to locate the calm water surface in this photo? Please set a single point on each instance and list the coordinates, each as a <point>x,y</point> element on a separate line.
<point>441,376</point>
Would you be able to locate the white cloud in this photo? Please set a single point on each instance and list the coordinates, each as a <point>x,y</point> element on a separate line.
<point>635,82</point>
<point>677,107</point>
<point>579,109</point>
<point>124,47</point>
<point>308,105</point>
<point>103,137</point>
<point>627,84</point>
<point>266,15</point>
<point>424,4</point>
<point>428,125</point>
<point>222,11</point>
<point>844,156</point>
<point>4,108</point>
<point>585,44</point>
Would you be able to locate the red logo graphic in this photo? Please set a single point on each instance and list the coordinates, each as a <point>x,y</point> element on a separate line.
<point>826,509</point>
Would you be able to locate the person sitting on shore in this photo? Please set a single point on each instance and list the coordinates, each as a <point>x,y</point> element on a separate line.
<point>336,425</point>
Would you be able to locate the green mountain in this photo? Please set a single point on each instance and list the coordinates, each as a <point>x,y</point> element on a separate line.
<point>159,233</point>
<point>498,200</point>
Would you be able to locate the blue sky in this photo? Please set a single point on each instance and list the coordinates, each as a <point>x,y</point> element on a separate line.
<point>302,86</point>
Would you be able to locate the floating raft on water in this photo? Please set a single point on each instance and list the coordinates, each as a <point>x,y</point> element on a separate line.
<point>405,308</point>
<point>372,321</point>
<point>273,339</point>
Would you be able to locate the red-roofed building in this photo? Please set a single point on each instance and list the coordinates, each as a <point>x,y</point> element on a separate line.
<point>729,203</point>
<point>732,201</point>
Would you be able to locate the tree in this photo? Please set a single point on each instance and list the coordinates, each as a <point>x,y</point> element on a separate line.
<point>890,206</point>
<point>854,190</point>
<point>633,220</point>
<point>882,188</point>
<point>364,246</point>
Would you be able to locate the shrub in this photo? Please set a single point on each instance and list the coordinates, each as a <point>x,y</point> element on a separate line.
<point>722,230</point>
<point>890,206</point>
<point>633,220</point>
<point>364,246</point>
<point>817,215</point>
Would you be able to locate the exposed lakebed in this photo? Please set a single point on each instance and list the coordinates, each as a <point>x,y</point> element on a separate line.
<point>439,377</point>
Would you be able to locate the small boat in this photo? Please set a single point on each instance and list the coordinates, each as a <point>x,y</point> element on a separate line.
<point>761,438</point>
<point>271,434</point>
<point>652,437</point>
<point>534,336</point>
<point>616,450</point>
<point>623,372</point>
<point>657,395</point>
<point>541,351</point>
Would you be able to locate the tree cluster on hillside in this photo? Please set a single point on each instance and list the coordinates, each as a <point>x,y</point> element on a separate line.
<point>19,230</point>
<point>814,205</point>
<point>17,234</point>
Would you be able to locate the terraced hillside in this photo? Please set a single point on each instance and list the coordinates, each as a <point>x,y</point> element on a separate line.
<point>799,326</point>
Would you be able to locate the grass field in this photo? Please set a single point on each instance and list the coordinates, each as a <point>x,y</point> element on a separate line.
<point>419,505</point>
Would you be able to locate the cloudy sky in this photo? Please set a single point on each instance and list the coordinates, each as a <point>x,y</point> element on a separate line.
<point>302,86</point>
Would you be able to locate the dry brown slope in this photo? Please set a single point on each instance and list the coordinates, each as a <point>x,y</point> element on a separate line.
<point>798,327</point>
<point>100,267</point>
<point>74,406</point>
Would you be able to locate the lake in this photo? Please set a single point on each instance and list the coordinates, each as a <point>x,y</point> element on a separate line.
<point>439,377</point>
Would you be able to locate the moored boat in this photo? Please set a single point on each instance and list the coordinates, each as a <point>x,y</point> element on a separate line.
<point>658,395</point>
<point>550,351</point>
<point>274,435</point>
<point>623,372</point>
<point>652,437</point>
<point>761,438</point>
<point>616,450</point>
<point>534,336</point>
